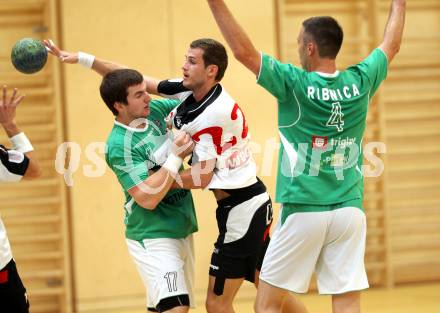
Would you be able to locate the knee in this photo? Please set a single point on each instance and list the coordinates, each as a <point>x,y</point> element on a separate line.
<point>215,305</point>
<point>212,305</point>
<point>260,306</point>
<point>266,305</point>
<point>346,303</point>
<point>257,308</point>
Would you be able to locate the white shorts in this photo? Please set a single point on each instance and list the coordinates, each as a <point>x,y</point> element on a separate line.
<point>166,267</point>
<point>330,243</point>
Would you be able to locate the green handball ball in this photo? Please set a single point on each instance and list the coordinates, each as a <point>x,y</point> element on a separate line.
<point>29,55</point>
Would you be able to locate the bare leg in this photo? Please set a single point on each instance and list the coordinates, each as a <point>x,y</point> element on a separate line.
<point>178,309</point>
<point>223,303</point>
<point>289,303</point>
<point>269,298</point>
<point>349,302</point>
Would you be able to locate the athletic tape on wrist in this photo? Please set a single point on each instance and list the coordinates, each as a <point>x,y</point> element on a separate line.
<point>21,143</point>
<point>173,163</point>
<point>85,59</point>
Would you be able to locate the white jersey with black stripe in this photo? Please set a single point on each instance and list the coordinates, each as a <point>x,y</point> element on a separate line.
<point>13,165</point>
<point>218,126</point>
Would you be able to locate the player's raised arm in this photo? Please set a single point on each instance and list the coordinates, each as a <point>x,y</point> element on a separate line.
<point>100,66</point>
<point>239,42</point>
<point>20,143</point>
<point>394,29</point>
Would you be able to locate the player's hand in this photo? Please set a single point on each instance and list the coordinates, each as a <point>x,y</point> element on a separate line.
<point>63,56</point>
<point>8,106</point>
<point>183,145</point>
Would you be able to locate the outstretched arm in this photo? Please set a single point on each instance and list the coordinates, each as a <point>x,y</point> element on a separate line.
<point>394,29</point>
<point>100,66</point>
<point>239,42</point>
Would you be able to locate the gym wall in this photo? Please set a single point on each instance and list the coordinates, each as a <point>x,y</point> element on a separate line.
<point>68,238</point>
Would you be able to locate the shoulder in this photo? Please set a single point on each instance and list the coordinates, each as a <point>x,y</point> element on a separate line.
<point>163,106</point>
<point>171,87</point>
<point>276,71</point>
<point>115,140</point>
<point>271,63</point>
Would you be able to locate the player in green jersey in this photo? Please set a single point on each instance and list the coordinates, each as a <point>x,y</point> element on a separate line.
<point>322,115</point>
<point>159,221</point>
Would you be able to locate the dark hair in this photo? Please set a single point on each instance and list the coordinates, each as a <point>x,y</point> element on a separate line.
<point>114,86</point>
<point>213,53</point>
<point>326,33</point>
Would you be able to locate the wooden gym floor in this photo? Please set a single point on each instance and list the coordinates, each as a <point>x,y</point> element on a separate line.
<point>404,299</point>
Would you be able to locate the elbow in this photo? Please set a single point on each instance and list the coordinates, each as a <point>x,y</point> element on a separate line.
<point>239,55</point>
<point>204,183</point>
<point>391,48</point>
<point>394,48</point>
<point>34,172</point>
<point>242,55</point>
<point>147,204</point>
<point>143,198</point>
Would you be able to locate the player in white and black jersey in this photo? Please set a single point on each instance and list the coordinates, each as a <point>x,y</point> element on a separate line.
<point>15,164</point>
<point>218,126</point>
<point>244,213</point>
<point>222,162</point>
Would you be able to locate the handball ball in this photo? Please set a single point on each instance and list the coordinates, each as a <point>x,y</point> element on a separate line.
<point>28,55</point>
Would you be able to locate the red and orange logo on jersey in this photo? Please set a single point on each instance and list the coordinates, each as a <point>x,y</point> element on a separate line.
<point>319,142</point>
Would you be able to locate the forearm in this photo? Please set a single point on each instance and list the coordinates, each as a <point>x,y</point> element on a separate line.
<point>154,189</point>
<point>152,84</point>
<point>188,179</point>
<point>197,177</point>
<point>33,170</point>
<point>150,192</point>
<point>237,39</point>
<point>394,29</point>
<point>102,67</point>
<point>11,129</point>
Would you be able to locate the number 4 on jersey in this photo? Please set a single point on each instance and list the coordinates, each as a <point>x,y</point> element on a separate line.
<point>336,119</point>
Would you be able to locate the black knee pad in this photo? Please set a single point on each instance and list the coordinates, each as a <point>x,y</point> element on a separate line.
<point>172,302</point>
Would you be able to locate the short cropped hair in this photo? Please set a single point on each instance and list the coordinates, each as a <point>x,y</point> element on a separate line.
<point>114,86</point>
<point>214,53</point>
<point>326,33</point>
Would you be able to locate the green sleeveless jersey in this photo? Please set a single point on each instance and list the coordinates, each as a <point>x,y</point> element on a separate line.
<point>131,153</point>
<point>321,121</point>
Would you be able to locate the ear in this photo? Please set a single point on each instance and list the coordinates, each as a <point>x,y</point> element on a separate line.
<point>311,48</point>
<point>119,106</point>
<point>212,70</point>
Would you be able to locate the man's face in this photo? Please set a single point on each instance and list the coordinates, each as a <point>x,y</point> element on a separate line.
<point>195,74</point>
<point>302,50</point>
<point>138,102</point>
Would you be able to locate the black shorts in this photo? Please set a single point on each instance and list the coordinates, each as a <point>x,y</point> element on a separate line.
<point>243,220</point>
<point>13,298</point>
